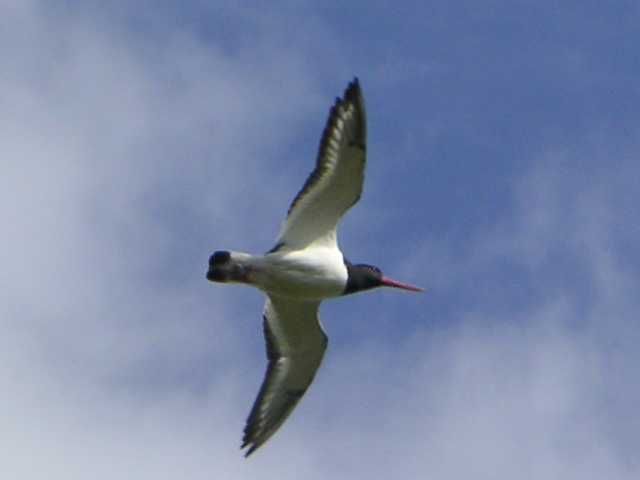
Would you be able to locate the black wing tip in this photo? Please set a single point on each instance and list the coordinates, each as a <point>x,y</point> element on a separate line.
<point>248,452</point>
<point>252,447</point>
<point>354,86</point>
<point>249,440</point>
<point>352,93</point>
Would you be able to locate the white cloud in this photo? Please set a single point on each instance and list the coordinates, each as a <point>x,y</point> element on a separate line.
<point>106,143</point>
<point>120,160</point>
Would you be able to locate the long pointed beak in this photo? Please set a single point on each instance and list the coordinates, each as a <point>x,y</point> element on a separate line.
<point>388,282</point>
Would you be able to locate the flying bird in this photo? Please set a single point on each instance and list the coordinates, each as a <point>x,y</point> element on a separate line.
<point>306,267</point>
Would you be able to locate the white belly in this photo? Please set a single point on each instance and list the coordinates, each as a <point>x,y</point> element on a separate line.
<point>313,274</point>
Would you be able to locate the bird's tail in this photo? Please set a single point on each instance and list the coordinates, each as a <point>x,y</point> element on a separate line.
<point>227,266</point>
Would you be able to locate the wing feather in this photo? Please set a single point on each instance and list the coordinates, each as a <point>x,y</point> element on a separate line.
<point>335,184</point>
<point>295,344</point>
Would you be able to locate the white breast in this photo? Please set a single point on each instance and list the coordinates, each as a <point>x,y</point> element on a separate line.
<point>315,272</point>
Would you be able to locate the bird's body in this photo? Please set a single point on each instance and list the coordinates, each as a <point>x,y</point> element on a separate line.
<point>305,267</point>
<point>312,273</point>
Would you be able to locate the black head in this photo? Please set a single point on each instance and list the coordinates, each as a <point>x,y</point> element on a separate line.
<point>365,277</point>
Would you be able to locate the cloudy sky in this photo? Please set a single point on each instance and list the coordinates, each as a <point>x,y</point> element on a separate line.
<point>503,176</point>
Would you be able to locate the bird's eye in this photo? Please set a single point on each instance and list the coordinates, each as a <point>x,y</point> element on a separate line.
<point>375,270</point>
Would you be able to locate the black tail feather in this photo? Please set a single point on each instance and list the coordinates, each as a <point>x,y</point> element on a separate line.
<point>224,268</point>
<point>220,267</point>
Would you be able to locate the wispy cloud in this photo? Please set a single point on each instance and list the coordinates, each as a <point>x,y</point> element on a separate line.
<point>125,161</point>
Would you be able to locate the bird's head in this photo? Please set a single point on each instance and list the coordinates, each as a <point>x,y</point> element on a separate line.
<point>365,277</point>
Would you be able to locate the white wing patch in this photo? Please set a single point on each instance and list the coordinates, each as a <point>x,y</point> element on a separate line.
<point>336,182</point>
<point>295,346</point>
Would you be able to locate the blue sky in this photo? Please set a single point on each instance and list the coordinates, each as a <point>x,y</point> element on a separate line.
<point>503,177</point>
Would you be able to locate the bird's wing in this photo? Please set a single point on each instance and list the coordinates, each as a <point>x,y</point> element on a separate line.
<point>336,182</point>
<point>295,347</point>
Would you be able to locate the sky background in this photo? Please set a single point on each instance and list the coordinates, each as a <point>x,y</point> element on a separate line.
<point>503,175</point>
